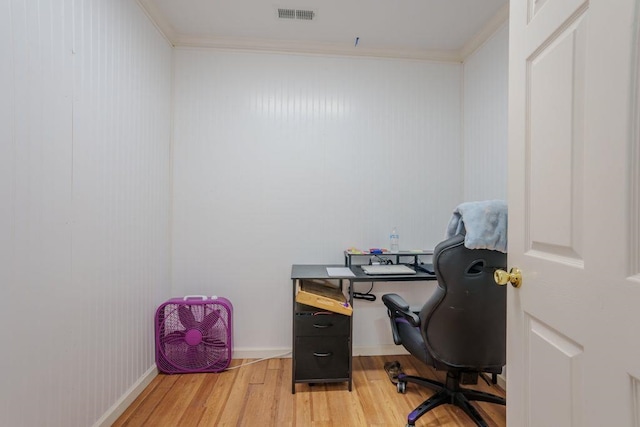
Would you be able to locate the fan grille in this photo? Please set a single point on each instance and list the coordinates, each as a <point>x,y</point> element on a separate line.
<point>193,337</point>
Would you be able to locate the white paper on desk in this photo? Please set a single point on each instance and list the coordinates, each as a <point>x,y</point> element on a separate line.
<point>340,272</point>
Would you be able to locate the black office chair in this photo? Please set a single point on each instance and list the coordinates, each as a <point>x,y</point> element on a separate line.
<point>461,329</point>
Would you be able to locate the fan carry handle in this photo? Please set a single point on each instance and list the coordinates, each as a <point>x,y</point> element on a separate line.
<point>202,297</point>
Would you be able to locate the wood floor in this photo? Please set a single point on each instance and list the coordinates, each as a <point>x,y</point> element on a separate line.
<point>259,395</point>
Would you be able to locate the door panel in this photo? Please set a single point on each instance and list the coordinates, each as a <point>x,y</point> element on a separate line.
<point>553,358</point>
<point>555,76</point>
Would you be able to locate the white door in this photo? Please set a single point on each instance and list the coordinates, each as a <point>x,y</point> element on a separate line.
<point>574,203</point>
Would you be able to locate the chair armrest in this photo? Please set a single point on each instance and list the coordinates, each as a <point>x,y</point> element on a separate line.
<point>398,307</point>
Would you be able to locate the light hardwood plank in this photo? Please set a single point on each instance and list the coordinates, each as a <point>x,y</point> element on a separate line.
<point>145,404</point>
<point>260,394</point>
<point>176,401</point>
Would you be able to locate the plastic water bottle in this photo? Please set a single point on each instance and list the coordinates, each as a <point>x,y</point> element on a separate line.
<point>395,240</point>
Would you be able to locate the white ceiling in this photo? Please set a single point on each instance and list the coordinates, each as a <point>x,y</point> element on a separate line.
<point>437,29</point>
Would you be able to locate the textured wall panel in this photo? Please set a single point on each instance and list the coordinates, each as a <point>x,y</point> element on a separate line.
<point>485,120</point>
<point>84,158</point>
<point>283,159</point>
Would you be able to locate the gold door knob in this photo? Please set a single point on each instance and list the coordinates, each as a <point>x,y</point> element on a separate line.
<point>514,276</point>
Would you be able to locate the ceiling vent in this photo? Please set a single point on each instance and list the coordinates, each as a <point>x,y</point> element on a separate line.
<point>305,15</point>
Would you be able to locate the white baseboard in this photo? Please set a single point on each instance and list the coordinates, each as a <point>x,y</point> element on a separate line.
<point>264,353</point>
<point>260,353</point>
<point>379,350</point>
<point>109,417</point>
<point>502,381</point>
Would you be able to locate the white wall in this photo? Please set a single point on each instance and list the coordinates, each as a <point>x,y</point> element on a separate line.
<point>84,217</point>
<point>279,159</point>
<point>485,119</point>
<point>290,159</point>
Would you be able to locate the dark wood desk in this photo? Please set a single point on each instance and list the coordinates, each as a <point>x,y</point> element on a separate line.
<point>322,345</point>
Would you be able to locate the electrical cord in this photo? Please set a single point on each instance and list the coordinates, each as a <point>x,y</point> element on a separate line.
<point>258,360</point>
<point>367,296</point>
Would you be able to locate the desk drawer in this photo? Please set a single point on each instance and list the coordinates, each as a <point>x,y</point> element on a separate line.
<point>325,358</point>
<point>322,325</point>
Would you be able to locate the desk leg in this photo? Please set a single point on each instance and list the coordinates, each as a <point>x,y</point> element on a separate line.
<point>293,340</point>
<point>353,313</point>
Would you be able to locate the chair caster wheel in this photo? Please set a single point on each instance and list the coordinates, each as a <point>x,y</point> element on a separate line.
<point>402,388</point>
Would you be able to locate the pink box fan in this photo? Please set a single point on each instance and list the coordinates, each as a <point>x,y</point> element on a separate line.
<point>193,334</point>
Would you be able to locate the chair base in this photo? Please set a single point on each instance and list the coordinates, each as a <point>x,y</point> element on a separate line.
<point>449,393</point>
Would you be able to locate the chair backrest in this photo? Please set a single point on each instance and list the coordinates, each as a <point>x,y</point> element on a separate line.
<point>464,322</point>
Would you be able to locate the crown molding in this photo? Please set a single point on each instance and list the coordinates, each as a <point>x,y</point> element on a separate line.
<point>311,48</point>
<point>485,33</point>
